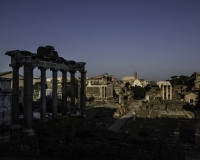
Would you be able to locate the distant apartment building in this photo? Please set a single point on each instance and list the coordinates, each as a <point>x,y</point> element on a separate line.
<point>9,74</point>
<point>5,101</point>
<point>191,98</point>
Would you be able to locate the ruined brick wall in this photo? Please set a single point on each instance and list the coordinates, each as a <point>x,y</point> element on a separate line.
<point>5,102</point>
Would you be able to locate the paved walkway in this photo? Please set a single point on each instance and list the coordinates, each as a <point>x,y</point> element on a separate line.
<point>119,123</point>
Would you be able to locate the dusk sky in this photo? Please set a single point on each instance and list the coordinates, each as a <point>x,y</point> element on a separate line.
<point>156,38</point>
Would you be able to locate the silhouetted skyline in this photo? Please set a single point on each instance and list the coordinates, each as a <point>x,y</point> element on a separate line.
<point>158,39</point>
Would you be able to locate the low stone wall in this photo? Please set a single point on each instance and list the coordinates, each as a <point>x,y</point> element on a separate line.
<point>26,141</point>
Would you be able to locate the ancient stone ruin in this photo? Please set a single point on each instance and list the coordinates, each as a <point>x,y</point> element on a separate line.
<point>5,99</point>
<point>45,58</point>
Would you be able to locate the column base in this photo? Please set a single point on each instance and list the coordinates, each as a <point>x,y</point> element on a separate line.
<point>78,111</point>
<point>16,126</point>
<point>29,132</point>
<point>73,115</point>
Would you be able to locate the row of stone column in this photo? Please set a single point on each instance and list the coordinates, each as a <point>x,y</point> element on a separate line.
<point>28,94</point>
<point>102,92</point>
<point>166,92</point>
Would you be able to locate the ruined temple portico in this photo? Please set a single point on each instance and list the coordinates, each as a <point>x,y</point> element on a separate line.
<point>45,58</point>
<point>166,89</point>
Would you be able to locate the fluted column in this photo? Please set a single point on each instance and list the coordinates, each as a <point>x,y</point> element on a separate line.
<point>170,92</point>
<point>73,110</point>
<point>43,94</point>
<point>15,96</point>
<point>163,92</point>
<point>64,95</point>
<point>83,84</point>
<point>28,82</point>
<point>167,94</point>
<point>54,93</point>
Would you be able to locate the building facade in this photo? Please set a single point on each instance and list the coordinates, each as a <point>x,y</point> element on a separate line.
<point>5,101</point>
<point>191,98</point>
<point>9,75</point>
<point>100,87</point>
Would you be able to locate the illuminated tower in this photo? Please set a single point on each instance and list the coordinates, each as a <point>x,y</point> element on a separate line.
<point>135,75</point>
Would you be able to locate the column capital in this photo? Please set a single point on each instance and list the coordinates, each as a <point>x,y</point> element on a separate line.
<point>83,71</point>
<point>28,64</point>
<point>15,65</point>
<point>72,71</point>
<point>43,68</point>
<point>63,70</point>
<point>54,69</point>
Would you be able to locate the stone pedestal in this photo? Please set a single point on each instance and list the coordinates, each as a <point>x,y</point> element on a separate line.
<point>176,134</point>
<point>24,140</point>
<point>133,115</point>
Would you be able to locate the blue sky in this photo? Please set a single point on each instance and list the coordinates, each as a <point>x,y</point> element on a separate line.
<point>156,38</point>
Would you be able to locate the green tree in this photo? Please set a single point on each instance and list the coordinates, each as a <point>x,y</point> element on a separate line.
<point>115,95</point>
<point>127,84</point>
<point>183,78</point>
<point>147,87</point>
<point>190,81</point>
<point>138,92</point>
<point>37,85</point>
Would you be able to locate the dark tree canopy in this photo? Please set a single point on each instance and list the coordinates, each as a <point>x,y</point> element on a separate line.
<point>139,92</point>
<point>127,84</point>
<point>37,85</point>
<point>147,87</point>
